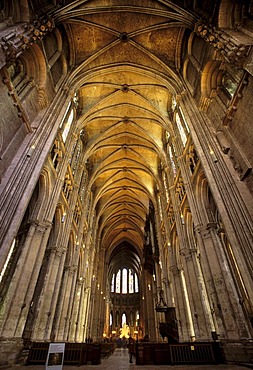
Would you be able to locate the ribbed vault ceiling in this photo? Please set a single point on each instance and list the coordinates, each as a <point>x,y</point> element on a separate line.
<point>125,55</point>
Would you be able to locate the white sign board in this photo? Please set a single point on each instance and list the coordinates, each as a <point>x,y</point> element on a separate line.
<point>55,356</point>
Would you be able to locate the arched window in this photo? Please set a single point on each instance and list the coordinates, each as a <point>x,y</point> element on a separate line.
<point>118,278</point>
<point>123,320</point>
<point>68,119</point>
<point>131,282</point>
<point>113,283</point>
<point>160,207</point>
<point>67,125</point>
<point>174,168</point>
<point>136,283</point>
<point>126,282</point>
<point>181,129</point>
<point>166,187</point>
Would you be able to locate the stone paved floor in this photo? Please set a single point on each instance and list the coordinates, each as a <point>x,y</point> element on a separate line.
<point>120,361</point>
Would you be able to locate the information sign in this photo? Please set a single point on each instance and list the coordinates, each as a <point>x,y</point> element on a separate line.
<point>55,356</point>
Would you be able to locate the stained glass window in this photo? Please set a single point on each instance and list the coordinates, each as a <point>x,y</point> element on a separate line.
<point>166,187</point>
<point>172,161</point>
<point>160,207</point>
<point>124,281</point>
<point>185,123</point>
<point>181,129</point>
<point>136,283</point>
<point>65,114</point>
<point>113,283</point>
<point>131,282</point>
<point>118,282</point>
<point>67,125</point>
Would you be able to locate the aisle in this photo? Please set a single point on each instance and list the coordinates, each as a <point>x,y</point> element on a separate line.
<point>119,360</point>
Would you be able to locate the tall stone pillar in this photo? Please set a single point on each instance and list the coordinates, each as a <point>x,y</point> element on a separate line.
<point>65,302</point>
<point>19,296</point>
<point>85,315</point>
<point>51,288</point>
<point>181,307</point>
<point>201,312</point>
<point>224,300</point>
<point>75,310</point>
<point>80,329</point>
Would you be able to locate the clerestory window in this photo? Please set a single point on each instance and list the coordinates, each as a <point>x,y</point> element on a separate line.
<point>125,281</point>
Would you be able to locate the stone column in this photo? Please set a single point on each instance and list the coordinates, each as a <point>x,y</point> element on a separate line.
<point>55,297</point>
<point>45,299</point>
<point>181,309</point>
<point>149,306</point>
<point>201,312</point>
<point>79,319</point>
<point>75,310</point>
<point>19,296</point>
<point>220,285</point>
<point>65,301</point>
<point>84,318</point>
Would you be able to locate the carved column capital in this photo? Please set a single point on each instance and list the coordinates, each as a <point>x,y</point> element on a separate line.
<point>205,231</point>
<point>174,270</point>
<point>41,226</point>
<point>166,282</point>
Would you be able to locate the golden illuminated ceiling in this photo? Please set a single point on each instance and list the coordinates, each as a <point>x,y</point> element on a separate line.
<point>125,56</point>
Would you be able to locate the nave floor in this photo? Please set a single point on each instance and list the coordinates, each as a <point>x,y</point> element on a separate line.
<point>120,361</point>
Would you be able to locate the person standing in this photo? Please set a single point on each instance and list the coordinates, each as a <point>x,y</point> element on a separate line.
<point>131,348</point>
